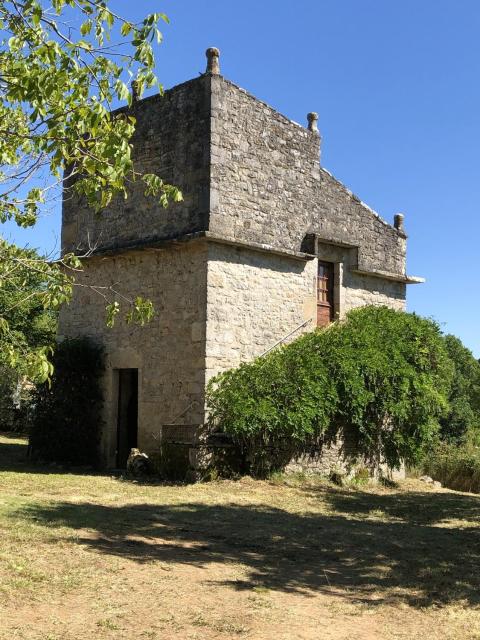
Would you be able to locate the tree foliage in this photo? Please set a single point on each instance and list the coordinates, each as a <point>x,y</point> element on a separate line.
<point>382,375</point>
<point>24,299</point>
<point>32,331</point>
<point>462,421</point>
<point>61,71</point>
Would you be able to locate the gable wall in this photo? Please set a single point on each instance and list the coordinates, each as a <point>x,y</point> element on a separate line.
<point>267,185</point>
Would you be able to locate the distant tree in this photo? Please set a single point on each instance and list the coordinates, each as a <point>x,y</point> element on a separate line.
<point>31,321</point>
<point>60,73</point>
<point>31,329</point>
<point>463,417</point>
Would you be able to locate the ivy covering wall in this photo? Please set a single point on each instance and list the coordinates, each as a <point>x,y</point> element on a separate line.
<point>381,374</point>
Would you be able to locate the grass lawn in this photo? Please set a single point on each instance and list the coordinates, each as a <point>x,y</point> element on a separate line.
<point>93,556</point>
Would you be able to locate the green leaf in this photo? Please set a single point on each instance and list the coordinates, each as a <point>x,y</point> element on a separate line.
<point>86,27</point>
<point>37,14</point>
<point>60,111</point>
<point>126,28</point>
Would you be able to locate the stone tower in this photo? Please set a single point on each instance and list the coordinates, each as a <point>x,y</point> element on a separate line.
<point>266,244</point>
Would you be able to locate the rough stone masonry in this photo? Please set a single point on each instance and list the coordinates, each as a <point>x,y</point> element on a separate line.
<point>265,245</point>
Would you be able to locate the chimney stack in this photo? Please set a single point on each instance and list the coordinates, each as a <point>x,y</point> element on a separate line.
<point>312,118</point>
<point>398,219</point>
<point>213,65</point>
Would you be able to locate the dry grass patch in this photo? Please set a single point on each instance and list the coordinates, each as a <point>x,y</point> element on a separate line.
<point>90,555</point>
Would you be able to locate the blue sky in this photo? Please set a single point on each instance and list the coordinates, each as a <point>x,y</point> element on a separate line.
<point>397,89</point>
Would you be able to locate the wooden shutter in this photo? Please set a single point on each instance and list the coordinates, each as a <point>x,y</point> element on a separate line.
<point>325,309</point>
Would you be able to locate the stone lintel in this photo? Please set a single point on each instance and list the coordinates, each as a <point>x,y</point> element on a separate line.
<point>312,240</point>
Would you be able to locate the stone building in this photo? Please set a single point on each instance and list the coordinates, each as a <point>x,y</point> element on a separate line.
<point>266,244</point>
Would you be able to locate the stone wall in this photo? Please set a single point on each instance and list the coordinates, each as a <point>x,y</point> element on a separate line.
<point>169,352</point>
<point>355,290</point>
<point>171,139</point>
<point>254,299</point>
<point>340,455</point>
<point>342,458</point>
<point>364,290</point>
<point>267,185</point>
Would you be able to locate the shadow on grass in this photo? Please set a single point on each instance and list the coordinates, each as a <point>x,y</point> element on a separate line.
<point>14,458</point>
<point>400,550</point>
<point>13,451</point>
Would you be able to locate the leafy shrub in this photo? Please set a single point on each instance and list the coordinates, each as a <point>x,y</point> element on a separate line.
<point>393,375</point>
<point>67,417</point>
<point>361,476</point>
<point>457,467</point>
<point>382,375</point>
<point>271,406</point>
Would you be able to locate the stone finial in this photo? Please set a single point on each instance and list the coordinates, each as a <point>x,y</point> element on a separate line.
<point>213,65</point>
<point>312,118</point>
<point>398,219</point>
<point>135,96</point>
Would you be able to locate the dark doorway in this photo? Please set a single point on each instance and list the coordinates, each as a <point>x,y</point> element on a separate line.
<point>127,422</point>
